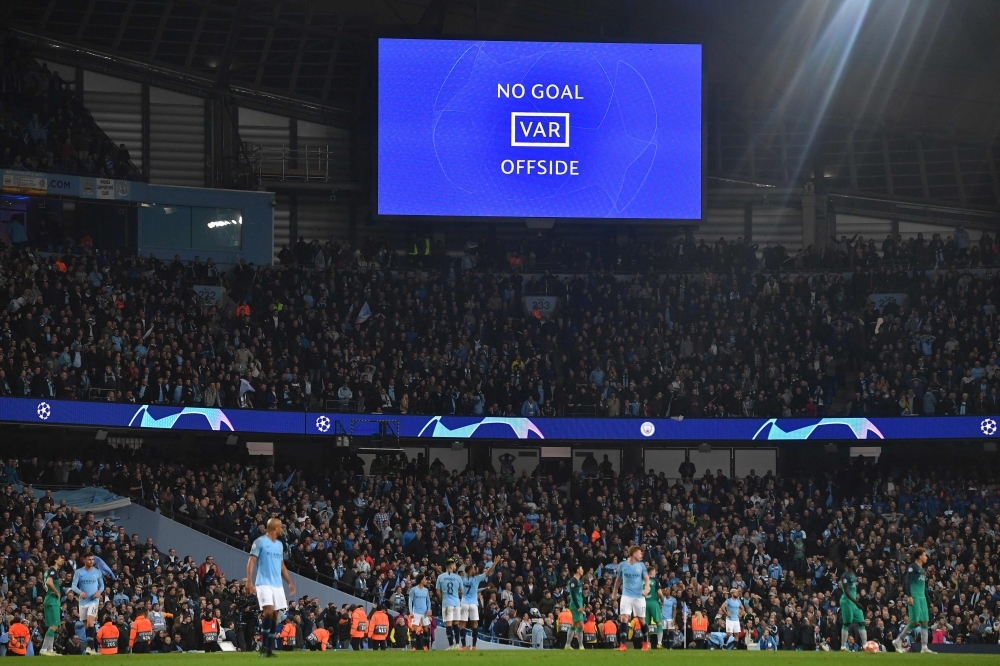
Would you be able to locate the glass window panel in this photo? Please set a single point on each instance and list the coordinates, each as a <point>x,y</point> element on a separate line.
<point>165,226</point>
<point>217,228</point>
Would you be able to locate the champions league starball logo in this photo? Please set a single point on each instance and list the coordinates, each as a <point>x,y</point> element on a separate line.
<point>323,424</point>
<point>520,426</point>
<point>772,431</point>
<point>989,427</point>
<point>215,418</point>
<point>44,411</point>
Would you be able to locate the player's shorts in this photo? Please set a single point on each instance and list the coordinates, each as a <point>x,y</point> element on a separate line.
<point>732,626</point>
<point>632,606</point>
<point>850,613</point>
<point>53,611</point>
<point>422,620</point>
<point>918,611</point>
<point>668,625</point>
<point>451,613</point>
<point>578,615</point>
<point>469,613</point>
<point>270,595</point>
<point>88,609</point>
<point>653,614</point>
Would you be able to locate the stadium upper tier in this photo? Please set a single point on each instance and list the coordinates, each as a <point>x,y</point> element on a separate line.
<point>347,333</point>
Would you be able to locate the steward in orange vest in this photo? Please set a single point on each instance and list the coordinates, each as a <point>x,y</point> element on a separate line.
<point>359,627</point>
<point>590,632</point>
<point>18,637</point>
<point>378,629</point>
<point>288,635</point>
<point>107,638</point>
<point>564,624</point>
<point>141,635</point>
<point>610,631</point>
<point>318,639</point>
<point>210,634</point>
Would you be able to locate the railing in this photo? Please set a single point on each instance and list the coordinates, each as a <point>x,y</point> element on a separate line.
<point>305,163</point>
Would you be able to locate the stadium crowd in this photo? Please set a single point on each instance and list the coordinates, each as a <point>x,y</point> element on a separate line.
<point>44,125</point>
<point>346,332</point>
<point>781,541</point>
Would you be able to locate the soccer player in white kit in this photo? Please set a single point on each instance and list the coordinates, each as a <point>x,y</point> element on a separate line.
<point>267,557</point>
<point>634,580</point>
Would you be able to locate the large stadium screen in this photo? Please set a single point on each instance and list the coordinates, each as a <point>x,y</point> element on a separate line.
<point>539,129</point>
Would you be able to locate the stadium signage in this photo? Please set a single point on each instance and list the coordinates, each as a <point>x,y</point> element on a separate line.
<point>539,129</point>
<point>112,415</point>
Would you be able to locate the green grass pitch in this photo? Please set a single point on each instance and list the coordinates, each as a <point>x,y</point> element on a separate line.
<point>545,658</point>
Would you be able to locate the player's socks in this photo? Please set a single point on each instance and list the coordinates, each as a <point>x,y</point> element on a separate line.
<point>49,640</point>
<point>475,636</point>
<point>458,636</point>
<point>654,640</point>
<point>864,635</point>
<point>91,637</point>
<point>465,636</point>
<point>451,636</point>
<point>924,638</point>
<point>844,631</point>
<point>622,634</point>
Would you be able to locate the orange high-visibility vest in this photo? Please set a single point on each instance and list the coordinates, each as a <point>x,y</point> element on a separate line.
<point>18,636</point>
<point>320,637</point>
<point>610,630</point>
<point>699,626</point>
<point>107,638</point>
<point>288,635</point>
<point>589,631</point>
<point>378,627</point>
<point>565,619</point>
<point>359,623</point>
<point>210,630</point>
<point>142,631</point>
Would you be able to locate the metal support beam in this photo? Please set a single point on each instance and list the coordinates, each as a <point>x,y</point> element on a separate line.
<point>45,17</point>
<point>750,151</point>
<point>209,142</point>
<point>264,52</point>
<point>784,149</point>
<point>160,28</point>
<point>146,132</point>
<point>334,52</point>
<point>293,143</point>
<point>294,78</point>
<point>923,169</point>
<point>293,219</point>
<point>81,29</point>
<point>122,25</point>
<point>197,36</point>
<point>222,72</point>
<point>718,139</point>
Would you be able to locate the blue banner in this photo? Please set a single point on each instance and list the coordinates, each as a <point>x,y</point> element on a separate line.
<point>325,424</point>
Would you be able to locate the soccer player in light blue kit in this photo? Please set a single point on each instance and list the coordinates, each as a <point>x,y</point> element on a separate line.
<point>469,614</point>
<point>668,615</point>
<point>88,583</point>
<point>420,611</point>
<point>449,588</point>
<point>267,556</point>
<point>733,608</point>
<point>634,580</point>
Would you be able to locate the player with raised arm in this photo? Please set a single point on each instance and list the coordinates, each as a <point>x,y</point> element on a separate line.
<point>634,581</point>
<point>88,583</point>
<point>420,611</point>
<point>850,610</point>
<point>574,592</point>
<point>52,605</point>
<point>265,572</point>
<point>469,612</point>
<point>915,586</point>
<point>449,589</point>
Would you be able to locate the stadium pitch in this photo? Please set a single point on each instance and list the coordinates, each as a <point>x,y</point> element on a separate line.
<point>548,658</point>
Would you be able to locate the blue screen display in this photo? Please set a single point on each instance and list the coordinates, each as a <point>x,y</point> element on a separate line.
<point>539,129</point>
